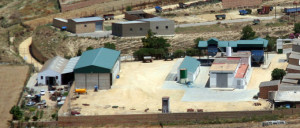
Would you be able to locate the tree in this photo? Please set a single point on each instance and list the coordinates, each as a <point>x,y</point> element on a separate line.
<point>128,8</point>
<point>196,41</point>
<point>248,33</point>
<point>79,52</point>
<point>109,45</point>
<point>272,43</point>
<point>297,27</point>
<point>16,112</point>
<point>178,53</point>
<point>89,48</point>
<point>277,74</point>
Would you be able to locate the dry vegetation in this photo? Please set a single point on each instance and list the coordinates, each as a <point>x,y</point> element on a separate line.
<point>12,80</point>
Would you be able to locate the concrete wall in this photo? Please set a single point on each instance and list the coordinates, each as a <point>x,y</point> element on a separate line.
<point>84,27</point>
<point>264,91</point>
<point>135,17</point>
<point>127,30</point>
<point>240,3</point>
<point>116,70</point>
<point>213,79</point>
<point>59,23</point>
<point>164,27</point>
<point>48,73</point>
<point>89,80</point>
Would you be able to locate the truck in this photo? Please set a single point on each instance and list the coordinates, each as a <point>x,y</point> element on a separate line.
<point>221,16</point>
<point>256,21</point>
<point>183,5</point>
<point>243,12</point>
<point>147,59</point>
<point>265,10</point>
<point>158,9</point>
<point>109,16</point>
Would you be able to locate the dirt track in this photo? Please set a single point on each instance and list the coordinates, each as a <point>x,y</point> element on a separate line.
<point>25,53</point>
<point>12,79</point>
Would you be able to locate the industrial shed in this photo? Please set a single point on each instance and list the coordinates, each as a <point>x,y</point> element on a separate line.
<point>158,25</point>
<point>51,72</point>
<point>98,67</point>
<point>68,72</point>
<point>192,66</point>
<point>138,14</point>
<point>229,73</point>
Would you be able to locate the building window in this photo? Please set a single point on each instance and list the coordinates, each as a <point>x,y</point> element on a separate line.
<point>141,29</point>
<point>167,27</point>
<point>85,25</point>
<point>157,27</point>
<point>42,77</point>
<point>56,77</point>
<point>130,29</point>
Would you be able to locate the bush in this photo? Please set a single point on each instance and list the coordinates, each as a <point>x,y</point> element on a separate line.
<point>32,109</point>
<point>41,114</point>
<point>192,52</point>
<point>297,27</point>
<point>249,11</point>
<point>27,118</point>
<point>109,45</point>
<point>277,74</point>
<point>54,116</point>
<point>248,33</point>
<point>179,53</point>
<point>272,43</point>
<point>16,112</point>
<point>128,8</point>
<point>35,118</point>
<point>66,93</point>
<point>79,52</point>
<point>196,41</point>
<point>89,48</point>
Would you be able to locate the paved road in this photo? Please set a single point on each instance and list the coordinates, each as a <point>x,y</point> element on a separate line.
<point>226,21</point>
<point>25,53</point>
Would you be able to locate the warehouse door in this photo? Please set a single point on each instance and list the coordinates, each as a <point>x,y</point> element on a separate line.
<point>222,80</point>
<point>99,26</point>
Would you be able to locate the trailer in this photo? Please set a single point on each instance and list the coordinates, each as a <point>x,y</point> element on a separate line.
<point>109,16</point>
<point>158,9</point>
<point>265,10</point>
<point>243,12</point>
<point>183,5</point>
<point>221,16</point>
<point>291,10</point>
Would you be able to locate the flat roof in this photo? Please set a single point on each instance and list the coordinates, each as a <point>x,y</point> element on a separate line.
<point>294,55</point>
<point>155,19</point>
<point>135,12</point>
<point>61,19</point>
<point>223,67</point>
<point>236,54</point>
<point>242,70</point>
<point>269,83</point>
<point>130,22</point>
<point>87,19</point>
<point>287,96</point>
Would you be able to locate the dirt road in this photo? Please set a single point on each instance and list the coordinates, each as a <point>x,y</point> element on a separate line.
<point>12,80</point>
<point>25,53</point>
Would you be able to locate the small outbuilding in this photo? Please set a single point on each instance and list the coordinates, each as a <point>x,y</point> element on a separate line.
<point>85,25</point>
<point>51,72</point>
<point>192,66</point>
<point>60,23</point>
<point>98,67</point>
<point>266,87</point>
<point>138,14</point>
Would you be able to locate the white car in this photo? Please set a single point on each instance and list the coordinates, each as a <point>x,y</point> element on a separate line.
<point>42,92</point>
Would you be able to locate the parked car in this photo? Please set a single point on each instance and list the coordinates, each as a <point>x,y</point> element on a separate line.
<point>43,92</point>
<point>30,103</point>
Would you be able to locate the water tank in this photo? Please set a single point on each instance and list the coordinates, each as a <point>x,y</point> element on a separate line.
<point>165,104</point>
<point>228,51</point>
<point>183,76</point>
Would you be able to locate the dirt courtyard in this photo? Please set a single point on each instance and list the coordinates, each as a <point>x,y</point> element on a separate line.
<point>12,79</point>
<point>140,87</point>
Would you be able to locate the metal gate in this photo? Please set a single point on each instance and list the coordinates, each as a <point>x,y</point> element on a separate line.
<point>222,80</point>
<point>99,26</point>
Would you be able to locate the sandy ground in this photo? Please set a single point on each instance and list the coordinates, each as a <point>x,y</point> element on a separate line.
<point>259,75</point>
<point>25,53</point>
<point>140,87</point>
<point>12,80</point>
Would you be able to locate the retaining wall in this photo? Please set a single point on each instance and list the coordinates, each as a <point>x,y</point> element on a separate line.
<point>240,3</point>
<point>37,54</point>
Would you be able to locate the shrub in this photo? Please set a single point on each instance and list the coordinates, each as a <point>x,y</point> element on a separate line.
<point>66,93</point>
<point>248,33</point>
<point>41,114</point>
<point>35,118</point>
<point>16,112</point>
<point>89,48</point>
<point>27,118</point>
<point>79,52</point>
<point>249,11</point>
<point>128,8</point>
<point>196,41</point>
<point>54,116</point>
<point>297,27</point>
<point>32,109</point>
<point>277,74</point>
<point>178,53</point>
<point>192,52</point>
<point>109,45</point>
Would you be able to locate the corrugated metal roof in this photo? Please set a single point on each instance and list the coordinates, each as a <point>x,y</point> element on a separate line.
<point>130,22</point>
<point>295,76</point>
<point>71,65</point>
<point>101,57</point>
<point>289,81</point>
<point>294,55</point>
<point>190,63</point>
<point>288,87</point>
<point>287,96</point>
<point>155,19</point>
<point>61,19</point>
<point>56,64</point>
<point>269,83</point>
<point>295,67</point>
<point>87,19</point>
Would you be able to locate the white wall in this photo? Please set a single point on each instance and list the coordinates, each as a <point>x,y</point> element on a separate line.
<point>48,73</point>
<point>191,75</point>
<point>89,80</point>
<point>115,70</point>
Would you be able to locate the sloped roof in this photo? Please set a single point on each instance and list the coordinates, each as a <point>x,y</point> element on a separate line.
<point>87,19</point>
<point>190,63</point>
<point>135,12</point>
<point>257,41</point>
<point>101,57</point>
<point>294,55</point>
<point>56,64</point>
<point>295,76</point>
<point>287,96</point>
<point>269,83</point>
<point>295,67</point>
<point>71,65</point>
<point>155,19</point>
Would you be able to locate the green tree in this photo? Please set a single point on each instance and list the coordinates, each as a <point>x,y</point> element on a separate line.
<point>272,43</point>
<point>16,112</point>
<point>248,33</point>
<point>297,27</point>
<point>128,8</point>
<point>89,48</point>
<point>179,53</point>
<point>277,74</point>
<point>79,52</point>
<point>109,45</point>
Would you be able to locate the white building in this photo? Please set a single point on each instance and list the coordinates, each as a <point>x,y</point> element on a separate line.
<point>192,66</point>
